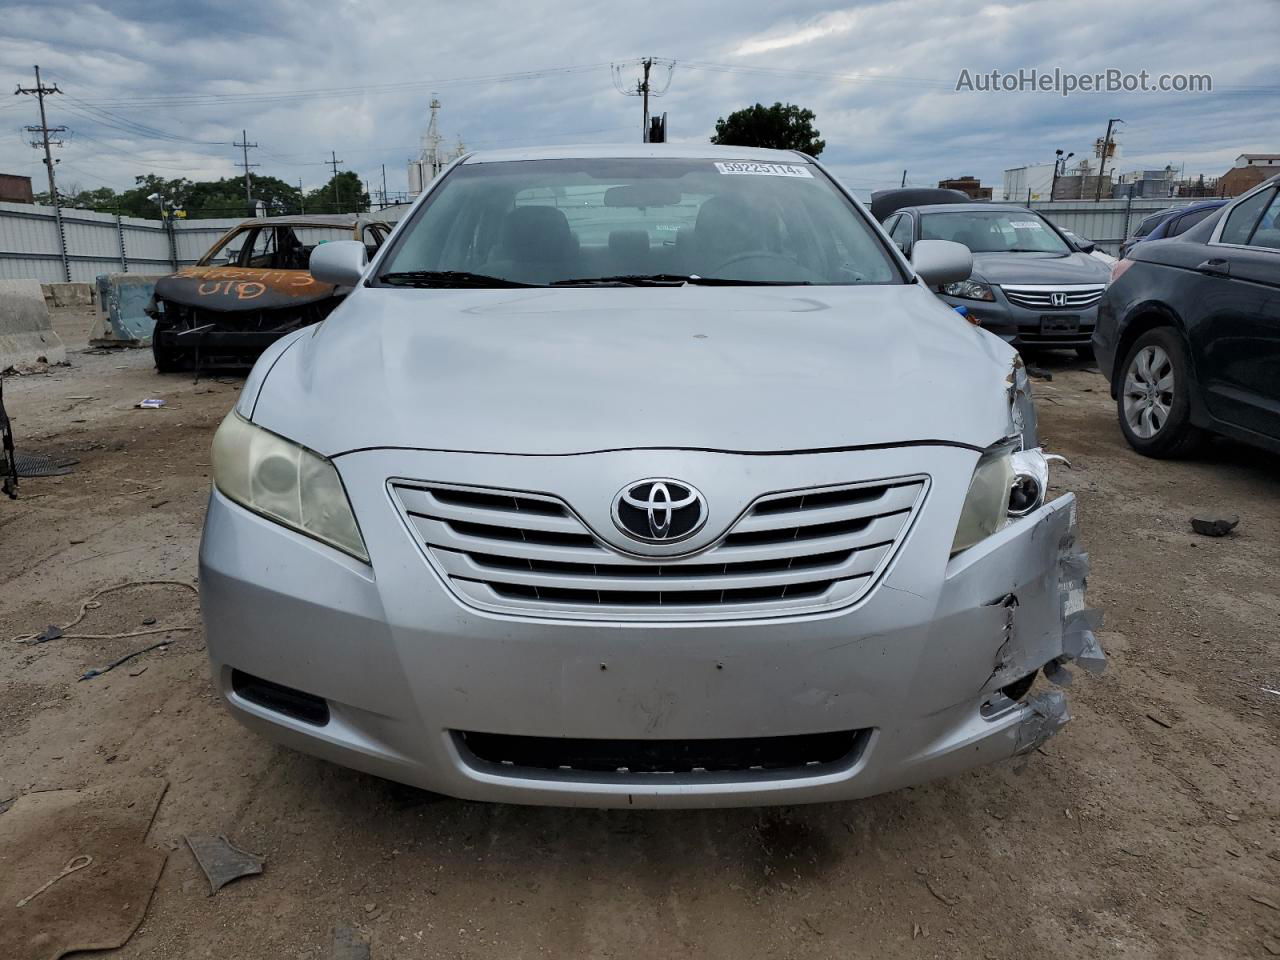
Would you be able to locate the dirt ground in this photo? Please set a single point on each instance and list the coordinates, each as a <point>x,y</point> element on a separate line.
<point>1147,829</point>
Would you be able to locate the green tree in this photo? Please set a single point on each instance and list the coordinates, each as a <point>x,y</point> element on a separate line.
<point>784,126</point>
<point>342,194</point>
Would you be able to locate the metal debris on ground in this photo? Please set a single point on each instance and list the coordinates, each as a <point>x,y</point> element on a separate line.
<point>33,465</point>
<point>1214,526</point>
<point>222,861</point>
<point>97,672</point>
<point>150,403</point>
<point>347,945</point>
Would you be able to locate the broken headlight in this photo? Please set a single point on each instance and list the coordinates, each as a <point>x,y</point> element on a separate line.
<point>986,505</point>
<point>284,482</point>
<point>1007,483</point>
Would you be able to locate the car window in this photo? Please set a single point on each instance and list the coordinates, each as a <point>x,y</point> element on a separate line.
<point>545,221</point>
<point>1150,223</point>
<point>1189,220</point>
<point>1242,220</point>
<point>1267,233</point>
<point>993,231</point>
<point>902,231</point>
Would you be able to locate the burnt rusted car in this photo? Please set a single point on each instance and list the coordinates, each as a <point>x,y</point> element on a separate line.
<point>250,289</point>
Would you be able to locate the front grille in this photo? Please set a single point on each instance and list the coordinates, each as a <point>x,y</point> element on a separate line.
<point>788,552</point>
<point>1077,297</point>
<point>809,754</point>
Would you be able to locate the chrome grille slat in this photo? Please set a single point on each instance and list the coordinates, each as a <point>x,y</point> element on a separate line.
<point>788,552</point>
<point>892,500</point>
<point>424,503</point>
<point>1041,297</point>
<point>857,563</point>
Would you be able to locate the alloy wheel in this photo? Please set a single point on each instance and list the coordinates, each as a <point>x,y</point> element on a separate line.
<point>1148,391</point>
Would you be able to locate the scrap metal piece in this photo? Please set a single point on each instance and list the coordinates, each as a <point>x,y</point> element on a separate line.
<point>1048,715</point>
<point>34,465</point>
<point>347,945</point>
<point>222,861</point>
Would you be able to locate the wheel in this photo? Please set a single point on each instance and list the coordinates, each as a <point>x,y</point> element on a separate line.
<point>1154,401</point>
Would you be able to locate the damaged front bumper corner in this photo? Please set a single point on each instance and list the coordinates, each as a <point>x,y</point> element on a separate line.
<point>1045,622</point>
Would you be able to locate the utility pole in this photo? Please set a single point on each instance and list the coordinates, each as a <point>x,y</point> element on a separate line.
<point>333,161</point>
<point>40,91</point>
<point>904,180</point>
<point>1106,150</point>
<point>302,198</point>
<point>384,184</point>
<point>244,145</point>
<point>644,88</point>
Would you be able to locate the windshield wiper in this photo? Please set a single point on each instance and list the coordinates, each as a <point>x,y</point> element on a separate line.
<point>628,280</point>
<point>448,278</point>
<point>727,282</point>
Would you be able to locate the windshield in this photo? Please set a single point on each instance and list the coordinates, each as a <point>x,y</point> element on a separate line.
<point>561,221</point>
<point>993,231</point>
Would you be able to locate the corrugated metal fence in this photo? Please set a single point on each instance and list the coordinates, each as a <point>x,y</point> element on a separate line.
<point>1107,222</point>
<point>97,243</point>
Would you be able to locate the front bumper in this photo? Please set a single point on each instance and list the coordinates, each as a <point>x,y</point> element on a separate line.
<point>403,664</point>
<point>1022,327</point>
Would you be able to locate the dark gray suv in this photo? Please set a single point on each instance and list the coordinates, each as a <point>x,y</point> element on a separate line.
<point>1030,285</point>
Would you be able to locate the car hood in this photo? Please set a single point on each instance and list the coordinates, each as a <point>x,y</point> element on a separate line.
<point>1001,268</point>
<point>241,288</point>
<point>545,372</point>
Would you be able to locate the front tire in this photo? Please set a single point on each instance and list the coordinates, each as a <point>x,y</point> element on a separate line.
<point>168,359</point>
<point>1154,399</point>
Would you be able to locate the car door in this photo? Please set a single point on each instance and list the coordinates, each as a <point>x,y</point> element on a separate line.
<point>1235,315</point>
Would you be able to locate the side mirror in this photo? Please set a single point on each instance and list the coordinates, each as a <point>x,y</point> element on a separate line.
<point>939,262</point>
<point>1086,246</point>
<point>339,262</point>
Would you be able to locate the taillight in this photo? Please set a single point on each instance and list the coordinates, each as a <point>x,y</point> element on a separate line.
<point>1118,268</point>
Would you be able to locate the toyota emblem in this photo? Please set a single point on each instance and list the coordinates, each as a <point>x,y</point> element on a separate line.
<point>659,510</point>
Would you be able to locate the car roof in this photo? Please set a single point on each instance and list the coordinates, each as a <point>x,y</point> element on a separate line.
<point>311,220</point>
<point>636,151</point>
<point>968,207</point>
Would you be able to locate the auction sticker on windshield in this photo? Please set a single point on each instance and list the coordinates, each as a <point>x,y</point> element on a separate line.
<point>764,169</point>
<point>1025,224</point>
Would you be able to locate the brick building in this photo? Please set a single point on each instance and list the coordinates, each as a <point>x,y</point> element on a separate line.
<point>15,188</point>
<point>1250,169</point>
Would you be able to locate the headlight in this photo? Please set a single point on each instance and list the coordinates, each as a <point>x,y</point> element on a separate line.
<point>986,505</point>
<point>285,482</point>
<point>969,290</point>
<point>1007,483</point>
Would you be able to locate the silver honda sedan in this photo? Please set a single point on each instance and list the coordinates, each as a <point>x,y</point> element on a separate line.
<point>646,476</point>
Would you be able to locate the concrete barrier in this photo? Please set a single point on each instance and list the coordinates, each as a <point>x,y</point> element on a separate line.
<point>67,294</point>
<point>26,336</point>
<point>122,301</point>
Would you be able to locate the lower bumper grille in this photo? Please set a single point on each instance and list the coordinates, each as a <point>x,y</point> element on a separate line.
<point>806,753</point>
<point>790,551</point>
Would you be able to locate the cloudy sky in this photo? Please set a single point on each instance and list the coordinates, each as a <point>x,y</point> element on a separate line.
<point>166,86</point>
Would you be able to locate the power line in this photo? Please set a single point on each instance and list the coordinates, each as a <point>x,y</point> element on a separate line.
<point>40,91</point>
<point>205,99</point>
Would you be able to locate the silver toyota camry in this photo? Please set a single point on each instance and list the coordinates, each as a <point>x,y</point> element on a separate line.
<point>642,476</point>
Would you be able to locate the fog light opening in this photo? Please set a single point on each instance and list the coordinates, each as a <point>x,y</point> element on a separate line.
<point>280,699</point>
<point>1008,697</point>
